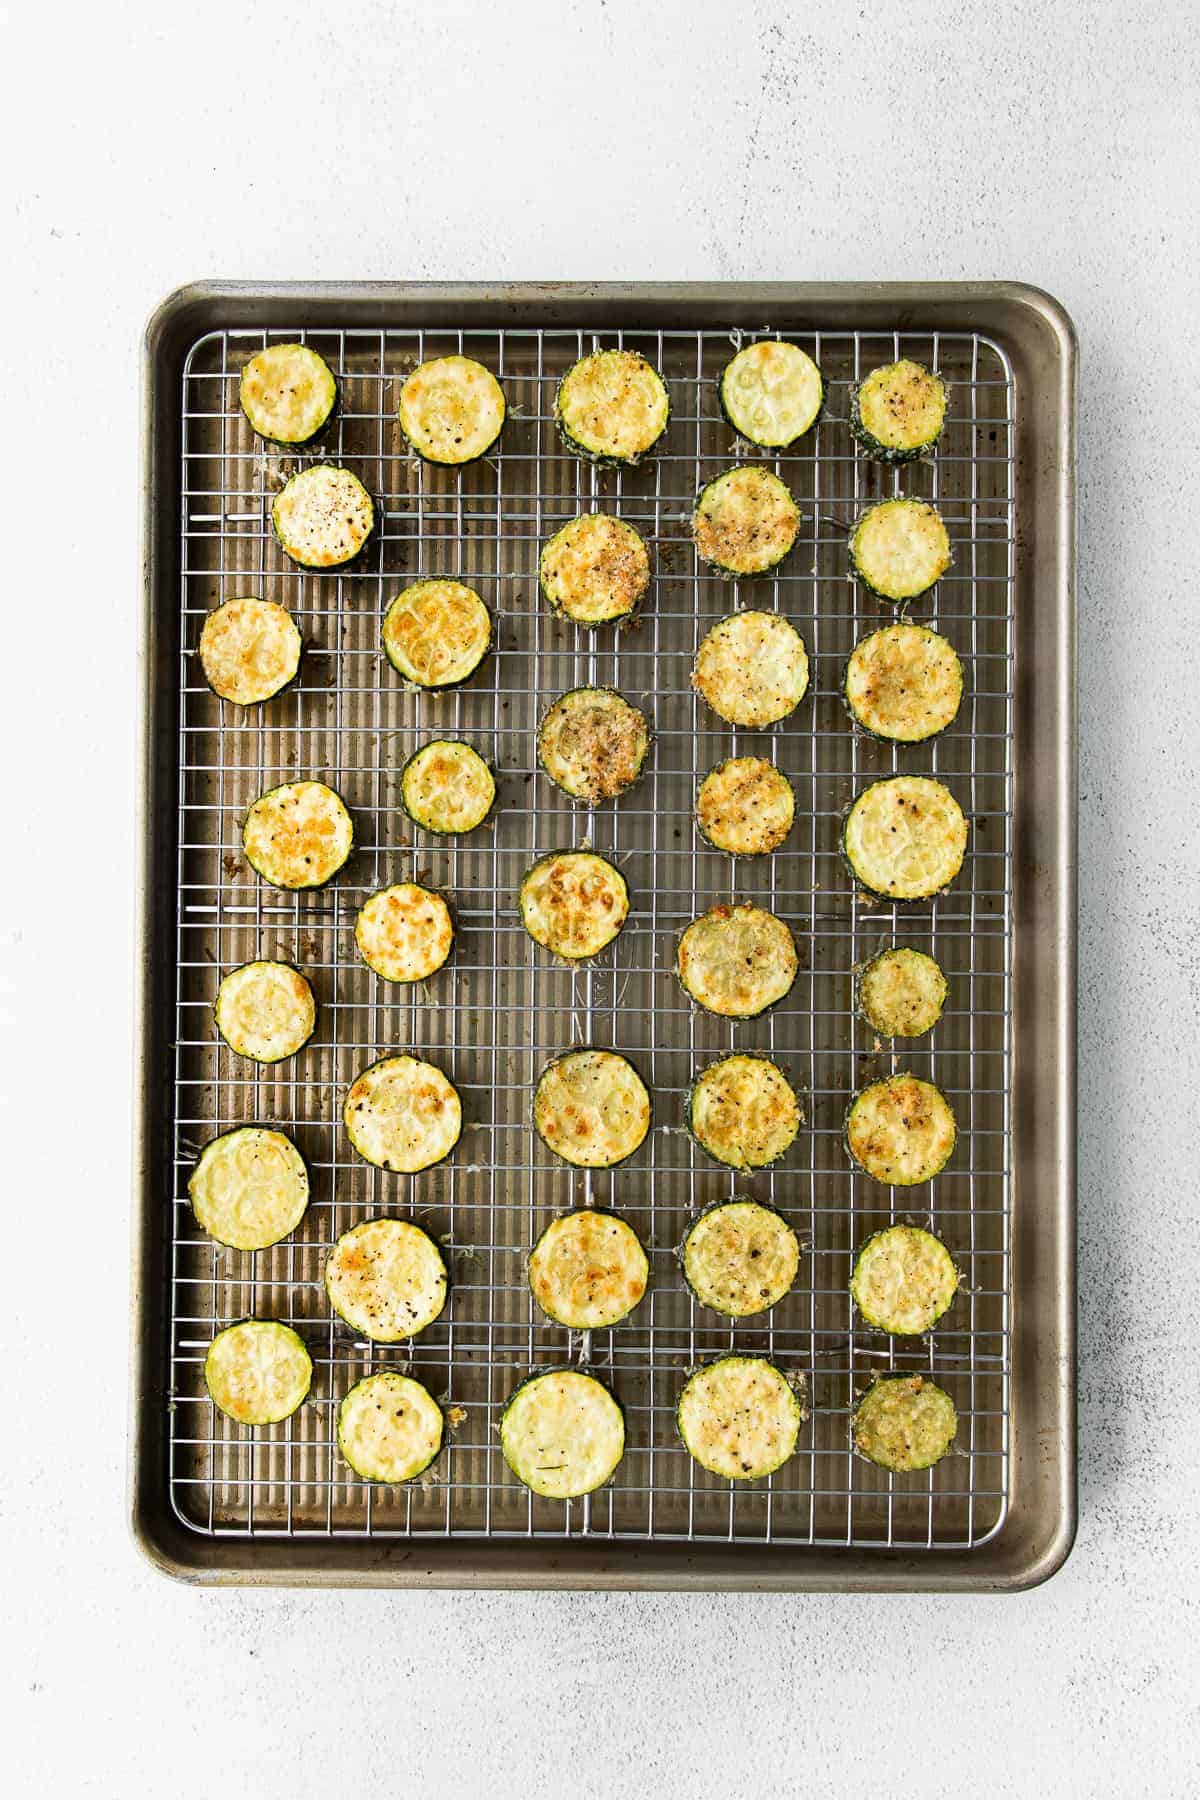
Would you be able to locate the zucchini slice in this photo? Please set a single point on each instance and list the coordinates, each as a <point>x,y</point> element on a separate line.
<point>249,650</point>
<point>900,549</point>
<point>740,1258</point>
<point>562,1434</point>
<point>903,1280</point>
<point>743,1111</point>
<point>266,1011</point>
<point>903,684</point>
<point>405,932</point>
<point>772,393</point>
<point>740,1417</point>
<point>446,786</point>
<point>904,1423</point>
<point>288,393</point>
<point>298,835</point>
<point>593,744</point>
<point>905,838</point>
<point>257,1372</point>
<point>588,1270</point>
<point>595,569</point>
<point>389,1427</point>
<point>612,407</point>
<point>451,410</point>
<point>736,961</point>
<point>387,1279</point>
<point>745,806</point>
<point>897,412</point>
<point>249,1188</point>
<point>901,992</point>
<point>591,1108</point>
<point>752,669</point>
<point>403,1114</point>
<point>436,633</point>
<point>901,1130</point>
<point>323,517</point>
<point>574,903</point>
<point>745,521</point>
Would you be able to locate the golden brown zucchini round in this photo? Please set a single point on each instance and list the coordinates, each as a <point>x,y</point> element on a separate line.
<point>265,1011</point>
<point>901,1130</point>
<point>745,806</point>
<point>899,549</point>
<point>562,1434</point>
<point>574,903</point>
<point>404,932</point>
<point>451,410</point>
<point>752,669</point>
<point>588,1270</point>
<point>389,1427</point>
<point>743,1111</point>
<point>593,744</point>
<point>903,1280</point>
<point>740,1417</point>
<point>901,992</point>
<point>258,1371</point>
<point>447,787</point>
<point>594,570</point>
<point>740,1258</point>
<point>772,393</point>
<point>736,960</point>
<point>745,521</point>
<point>898,411</point>
<point>387,1279</point>
<point>403,1114</point>
<point>612,407</point>
<point>905,838</point>
<point>288,393</point>
<point>249,1188</point>
<point>437,633</point>
<point>322,517</point>
<point>249,650</point>
<point>904,1423</point>
<point>298,835</point>
<point>903,684</point>
<point>591,1108</point>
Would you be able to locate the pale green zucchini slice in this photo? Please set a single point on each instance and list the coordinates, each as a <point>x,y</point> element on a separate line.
<point>903,684</point>
<point>736,961</point>
<point>562,1434</point>
<point>904,1423</point>
<point>574,903</point>
<point>265,1010</point>
<point>743,1111</point>
<point>403,1114</point>
<point>612,407</point>
<point>745,521</point>
<point>897,413</point>
<point>298,835</point>
<point>387,1279</point>
<point>903,1280</point>
<point>595,569</point>
<point>249,1187</point>
<point>451,410</point>
<point>772,393</point>
<point>905,838</point>
<point>740,1258</point>
<point>901,992</point>
<point>752,669</point>
<point>591,1108</point>
<point>593,744</point>
<point>389,1427</point>
<point>404,932</point>
<point>745,806</point>
<point>740,1417</point>
<point>901,1130</point>
<point>322,517</point>
<point>588,1270</point>
<point>249,650</point>
<point>447,787</point>
<point>288,393</point>
<point>900,549</point>
<point>436,633</point>
<point>258,1372</point>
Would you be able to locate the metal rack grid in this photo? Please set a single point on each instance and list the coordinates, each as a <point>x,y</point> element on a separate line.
<point>501,1007</point>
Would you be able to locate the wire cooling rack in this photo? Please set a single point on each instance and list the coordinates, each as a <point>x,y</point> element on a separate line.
<point>502,1007</point>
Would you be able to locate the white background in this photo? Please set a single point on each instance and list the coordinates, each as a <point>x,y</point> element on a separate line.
<point>147,144</point>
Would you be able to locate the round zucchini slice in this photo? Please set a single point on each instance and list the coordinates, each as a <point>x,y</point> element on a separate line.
<point>591,1108</point>
<point>903,1280</point>
<point>404,932</point>
<point>745,521</point>
<point>574,903</point>
<point>588,1270</point>
<point>298,835</point>
<point>386,1279</point>
<point>323,517</point>
<point>898,412</point>
<point>403,1114</point>
<point>752,669</point>
<point>736,961</point>
<point>740,1417</point>
<point>593,744</point>
<point>903,684</point>
<point>595,569</point>
<point>745,806</point>
<point>288,393</point>
<point>389,1427</point>
<point>436,633</point>
<point>743,1111</point>
<point>901,1130</point>
<point>562,1434</point>
<point>258,1372</point>
<point>904,1423</point>
<point>266,1011</point>
<point>901,993</point>
<point>740,1258</point>
<point>451,410</point>
<point>612,407</point>
<point>249,1188</point>
<point>249,650</point>
<point>905,838</point>
<point>446,786</point>
<point>772,393</point>
<point>900,549</point>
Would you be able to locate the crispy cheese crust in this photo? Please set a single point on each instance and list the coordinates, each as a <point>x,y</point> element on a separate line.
<point>403,1114</point>
<point>903,684</point>
<point>901,993</point>
<point>595,569</point>
<point>249,650</point>
<point>612,406</point>
<point>901,1130</point>
<point>451,410</point>
<point>323,517</point>
<point>387,1279</point>
<point>436,633</point>
<point>298,835</point>
<point>592,744</point>
<point>740,1417</point>
<point>745,521</point>
<point>745,806</point>
<point>752,669</point>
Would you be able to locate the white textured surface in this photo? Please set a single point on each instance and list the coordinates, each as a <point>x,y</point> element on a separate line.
<point>1046,141</point>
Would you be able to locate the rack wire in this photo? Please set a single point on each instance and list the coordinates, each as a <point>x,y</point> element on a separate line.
<point>502,1007</point>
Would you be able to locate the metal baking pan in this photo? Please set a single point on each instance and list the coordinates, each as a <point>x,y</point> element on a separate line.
<point>213,1504</point>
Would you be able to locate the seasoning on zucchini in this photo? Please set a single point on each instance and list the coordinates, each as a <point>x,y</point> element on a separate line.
<point>257,1372</point>
<point>389,1427</point>
<point>901,1130</point>
<point>298,835</point>
<point>772,393</point>
<point>249,650</point>
<point>387,1279</point>
<point>901,992</point>
<point>593,744</point>
<point>595,569</point>
<point>288,393</point>
<point>447,787</point>
<point>574,903</point>
<point>903,683</point>
<point>903,1280</point>
<point>900,549</point>
<point>403,1114</point>
<point>904,1423</point>
<point>562,1434</point>
<point>591,1108</point>
<point>451,410</point>
<point>745,521</point>
<point>404,932</point>
<point>265,1010</point>
<point>249,1188</point>
<point>588,1270</point>
<point>322,517</point>
<point>752,668</point>
<point>740,1417</point>
<point>736,960</point>
<point>745,806</point>
<point>436,633</point>
<point>612,407</point>
<point>897,412</point>
<point>740,1258</point>
<point>743,1111</point>
<point>905,838</point>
